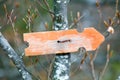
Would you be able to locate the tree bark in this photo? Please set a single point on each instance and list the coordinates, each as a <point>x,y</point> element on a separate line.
<point>61,65</point>
<point>14,57</point>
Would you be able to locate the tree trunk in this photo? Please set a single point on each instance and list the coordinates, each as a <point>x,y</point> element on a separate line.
<point>61,65</point>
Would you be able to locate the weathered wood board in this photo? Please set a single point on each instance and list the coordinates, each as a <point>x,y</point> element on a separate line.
<point>63,41</point>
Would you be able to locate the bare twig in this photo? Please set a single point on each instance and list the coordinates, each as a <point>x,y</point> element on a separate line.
<point>99,8</point>
<point>92,58</point>
<point>51,13</point>
<point>99,12</point>
<point>106,64</point>
<point>105,67</point>
<point>48,7</point>
<point>11,20</point>
<point>71,16</point>
<point>75,21</point>
<point>15,58</point>
<point>117,2</point>
<point>45,8</point>
<point>82,50</point>
<point>29,18</point>
<point>9,17</point>
<point>109,31</point>
<point>93,70</point>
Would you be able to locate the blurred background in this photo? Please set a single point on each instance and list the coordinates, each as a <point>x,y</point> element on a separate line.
<point>23,16</point>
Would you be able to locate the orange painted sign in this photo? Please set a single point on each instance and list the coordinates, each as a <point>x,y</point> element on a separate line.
<point>63,41</point>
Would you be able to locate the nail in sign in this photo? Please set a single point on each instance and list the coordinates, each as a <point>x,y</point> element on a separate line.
<point>63,41</point>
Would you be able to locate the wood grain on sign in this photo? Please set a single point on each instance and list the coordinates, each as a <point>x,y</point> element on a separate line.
<point>63,41</point>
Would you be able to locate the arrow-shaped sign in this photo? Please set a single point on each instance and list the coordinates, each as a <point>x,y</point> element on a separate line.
<point>63,41</point>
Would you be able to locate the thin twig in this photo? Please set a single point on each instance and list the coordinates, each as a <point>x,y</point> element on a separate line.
<point>99,12</point>
<point>92,59</point>
<point>117,2</point>
<point>11,21</point>
<point>93,69</point>
<point>15,58</point>
<point>9,17</point>
<point>96,53</point>
<point>109,31</point>
<point>48,7</point>
<point>75,22</point>
<point>99,9</point>
<point>45,8</point>
<point>105,67</point>
<point>50,68</point>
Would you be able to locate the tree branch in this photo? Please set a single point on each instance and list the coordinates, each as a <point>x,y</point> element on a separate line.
<point>14,57</point>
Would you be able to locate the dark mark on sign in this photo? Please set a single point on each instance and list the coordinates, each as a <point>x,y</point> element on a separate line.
<point>64,41</point>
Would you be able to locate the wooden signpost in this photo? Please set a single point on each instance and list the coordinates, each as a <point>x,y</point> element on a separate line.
<point>63,41</point>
